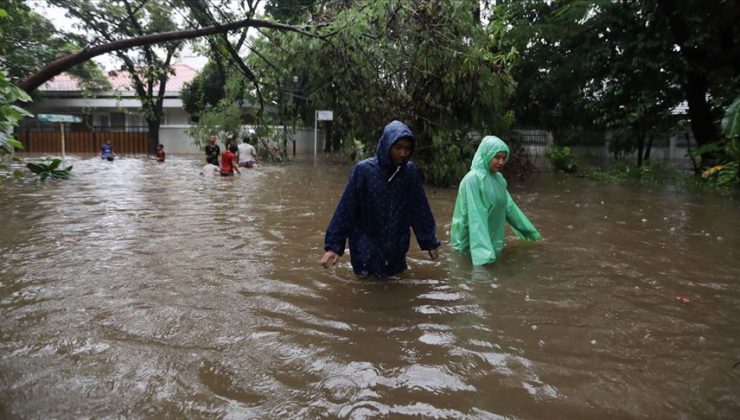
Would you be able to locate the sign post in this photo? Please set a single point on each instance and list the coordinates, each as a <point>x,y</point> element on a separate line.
<point>61,119</point>
<point>320,116</point>
<point>61,126</point>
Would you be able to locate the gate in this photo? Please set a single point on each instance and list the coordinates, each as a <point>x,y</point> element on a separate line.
<point>36,140</point>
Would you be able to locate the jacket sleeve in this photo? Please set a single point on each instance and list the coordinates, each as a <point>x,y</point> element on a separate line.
<point>522,227</point>
<point>341,222</point>
<point>422,219</point>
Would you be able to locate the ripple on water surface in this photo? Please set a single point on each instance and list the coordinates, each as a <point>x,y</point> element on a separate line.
<point>140,289</point>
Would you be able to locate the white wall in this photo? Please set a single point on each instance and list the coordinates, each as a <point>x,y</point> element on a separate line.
<point>177,116</point>
<point>304,141</point>
<point>175,140</point>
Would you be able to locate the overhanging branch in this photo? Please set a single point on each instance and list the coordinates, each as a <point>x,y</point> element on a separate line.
<point>56,67</point>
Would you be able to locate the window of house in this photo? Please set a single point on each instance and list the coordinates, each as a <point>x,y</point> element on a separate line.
<point>117,120</point>
<point>136,122</point>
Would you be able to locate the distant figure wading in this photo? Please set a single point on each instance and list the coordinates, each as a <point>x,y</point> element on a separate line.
<point>106,150</point>
<point>247,154</point>
<point>212,150</point>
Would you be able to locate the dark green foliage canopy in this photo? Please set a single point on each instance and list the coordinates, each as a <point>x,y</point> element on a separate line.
<point>431,64</point>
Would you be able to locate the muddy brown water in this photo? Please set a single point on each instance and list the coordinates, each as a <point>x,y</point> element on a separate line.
<point>140,289</point>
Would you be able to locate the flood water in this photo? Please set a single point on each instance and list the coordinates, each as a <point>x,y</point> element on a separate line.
<point>140,289</point>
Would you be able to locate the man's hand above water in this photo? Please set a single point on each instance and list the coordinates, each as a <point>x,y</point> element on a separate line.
<point>329,259</point>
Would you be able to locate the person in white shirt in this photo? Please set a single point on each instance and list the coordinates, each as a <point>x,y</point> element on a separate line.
<point>247,154</point>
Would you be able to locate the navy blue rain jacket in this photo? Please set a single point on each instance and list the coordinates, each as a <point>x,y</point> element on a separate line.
<point>380,203</point>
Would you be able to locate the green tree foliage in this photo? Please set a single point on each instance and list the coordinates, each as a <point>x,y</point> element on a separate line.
<point>149,67</point>
<point>205,91</point>
<point>624,64</point>
<point>561,159</point>
<point>290,11</point>
<point>731,129</point>
<point>28,41</point>
<point>10,114</point>
<point>430,64</point>
<point>724,176</point>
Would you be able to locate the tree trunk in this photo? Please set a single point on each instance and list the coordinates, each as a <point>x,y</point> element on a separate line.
<point>328,140</point>
<point>56,67</point>
<point>640,145</point>
<point>697,86</point>
<point>696,166</point>
<point>648,147</point>
<point>700,114</point>
<point>153,136</point>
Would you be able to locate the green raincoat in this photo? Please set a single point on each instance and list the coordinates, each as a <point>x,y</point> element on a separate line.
<point>484,206</point>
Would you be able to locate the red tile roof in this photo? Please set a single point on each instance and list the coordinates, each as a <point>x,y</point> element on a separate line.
<point>121,81</point>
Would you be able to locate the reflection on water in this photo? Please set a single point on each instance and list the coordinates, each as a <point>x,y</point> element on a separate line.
<point>144,289</point>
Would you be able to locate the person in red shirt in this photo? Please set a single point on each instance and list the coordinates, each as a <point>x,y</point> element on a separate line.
<point>160,152</point>
<point>228,162</point>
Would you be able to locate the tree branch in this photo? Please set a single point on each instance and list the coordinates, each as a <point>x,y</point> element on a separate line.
<point>56,67</point>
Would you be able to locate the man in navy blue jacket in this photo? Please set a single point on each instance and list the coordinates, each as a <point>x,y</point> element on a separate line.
<point>383,199</point>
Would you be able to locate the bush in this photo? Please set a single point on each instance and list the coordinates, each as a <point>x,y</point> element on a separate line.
<point>621,173</point>
<point>723,178</point>
<point>561,159</point>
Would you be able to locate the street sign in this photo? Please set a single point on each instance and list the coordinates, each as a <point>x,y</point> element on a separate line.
<point>59,118</point>
<point>325,115</point>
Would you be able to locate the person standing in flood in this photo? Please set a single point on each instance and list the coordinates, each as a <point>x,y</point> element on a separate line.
<point>228,162</point>
<point>160,156</point>
<point>212,150</point>
<point>247,154</point>
<point>383,199</point>
<point>484,207</point>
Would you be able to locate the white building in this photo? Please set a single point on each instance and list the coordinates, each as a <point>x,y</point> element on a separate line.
<point>115,112</point>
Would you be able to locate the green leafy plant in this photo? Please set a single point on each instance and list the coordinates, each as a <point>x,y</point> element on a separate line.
<point>731,129</point>
<point>10,114</point>
<point>561,159</point>
<point>723,178</point>
<point>50,168</point>
<point>724,175</point>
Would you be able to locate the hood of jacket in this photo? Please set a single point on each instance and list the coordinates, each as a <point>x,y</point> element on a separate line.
<point>391,133</point>
<point>489,146</point>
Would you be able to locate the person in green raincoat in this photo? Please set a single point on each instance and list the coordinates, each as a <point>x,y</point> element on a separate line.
<point>484,206</point>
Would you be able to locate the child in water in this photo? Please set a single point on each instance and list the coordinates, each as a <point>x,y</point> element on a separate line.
<point>160,153</point>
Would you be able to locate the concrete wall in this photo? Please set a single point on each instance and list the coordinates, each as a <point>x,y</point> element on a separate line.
<point>537,142</point>
<point>175,140</point>
<point>304,141</point>
<point>597,155</point>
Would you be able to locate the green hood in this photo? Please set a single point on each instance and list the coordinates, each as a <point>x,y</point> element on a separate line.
<point>489,146</point>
